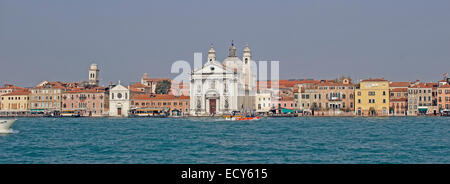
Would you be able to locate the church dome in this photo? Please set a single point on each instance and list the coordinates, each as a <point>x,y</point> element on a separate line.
<point>232,62</point>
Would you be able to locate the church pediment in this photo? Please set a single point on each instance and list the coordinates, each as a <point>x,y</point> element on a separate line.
<point>212,68</point>
<point>119,88</point>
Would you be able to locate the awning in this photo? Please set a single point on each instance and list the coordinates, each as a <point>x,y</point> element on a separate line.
<point>287,110</point>
<point>423,110</point>
<point>37,110</point>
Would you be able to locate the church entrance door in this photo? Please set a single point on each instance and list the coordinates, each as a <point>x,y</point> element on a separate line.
<point>212,106</point>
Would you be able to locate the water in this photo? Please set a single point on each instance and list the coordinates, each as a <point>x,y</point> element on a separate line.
<point>203,140</point>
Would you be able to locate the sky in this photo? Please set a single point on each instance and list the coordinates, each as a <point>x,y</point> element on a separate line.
<point>400,40</point>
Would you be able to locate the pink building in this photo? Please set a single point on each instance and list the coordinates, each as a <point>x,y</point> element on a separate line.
<point>286,103</point>
<point>86,102</point>
<point>443,97</point>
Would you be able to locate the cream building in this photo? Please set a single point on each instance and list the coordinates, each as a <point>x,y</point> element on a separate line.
<point>263,102</point>
<point>372,98</point>
<point>17,100</point>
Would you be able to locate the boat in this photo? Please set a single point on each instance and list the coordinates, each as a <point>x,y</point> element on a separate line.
<point>150,112</point>
<point>69,113</point>
<point>6,123</point>
<point>240,118</point>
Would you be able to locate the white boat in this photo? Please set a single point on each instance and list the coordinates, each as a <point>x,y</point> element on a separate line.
<point>6,123</point>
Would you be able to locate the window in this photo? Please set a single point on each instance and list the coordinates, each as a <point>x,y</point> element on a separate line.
<point>359,101</point>
<point>371,93</point>
<point>384,93</point>
<point>384,100</point>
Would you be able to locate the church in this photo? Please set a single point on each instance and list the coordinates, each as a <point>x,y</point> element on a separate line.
<point>219,88</point>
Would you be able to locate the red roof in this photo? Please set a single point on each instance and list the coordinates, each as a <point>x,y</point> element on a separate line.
<point>159,97</point>
<point>10,86</point>
<point>399,90</point>
<point>156,79</point>
<point>422,85</point>
<point>444,86</point>
<point>333,84</point>
<point>138,85</point>
<point>287,83</point>
<point>399,84</point>
<point>17,93</point>
<point>83,90</point>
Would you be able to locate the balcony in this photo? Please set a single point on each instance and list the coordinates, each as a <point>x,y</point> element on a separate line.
<point>334,98</point>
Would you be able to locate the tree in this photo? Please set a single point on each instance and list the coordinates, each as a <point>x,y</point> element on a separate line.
<point>163,87</point>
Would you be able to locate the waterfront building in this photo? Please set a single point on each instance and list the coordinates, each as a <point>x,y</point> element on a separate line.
<point>15,103</point>
<point>329,98</point>
<point>8,88</point>
<point>398,98</point>
<point>94,72</point>
<point>284,105</point>
<point>443,98</point>
<point>221,88</point>
<point>372,98</point>
<point>86,101</point>
<point>45,98</point>
<point>303,104</point>
<point>420,100</point>
<point>119,101</point>
<point>398,106</point>
<point>175,105</point>
<point>263,102</point>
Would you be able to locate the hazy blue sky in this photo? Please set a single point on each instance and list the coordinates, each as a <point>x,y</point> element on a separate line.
<point>58,40</point>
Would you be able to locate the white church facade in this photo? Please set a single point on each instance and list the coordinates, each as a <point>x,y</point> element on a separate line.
<point>222,88</point>
<point>119,101</point>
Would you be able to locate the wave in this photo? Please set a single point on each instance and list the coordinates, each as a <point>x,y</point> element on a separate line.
<point>8,131</point>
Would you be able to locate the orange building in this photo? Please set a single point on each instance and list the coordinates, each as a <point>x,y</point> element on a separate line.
<point>443,98</point>
<point>176,105</point>
<point>398,98</point>
<point>398,106</point>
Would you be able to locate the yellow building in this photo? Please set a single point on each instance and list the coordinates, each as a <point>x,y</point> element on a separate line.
<point>16,101</point>
<point>372,98</point>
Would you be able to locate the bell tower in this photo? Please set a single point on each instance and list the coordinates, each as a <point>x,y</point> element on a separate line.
<point>246,59</point>
<point>93,75</point>
<point>211,54</point>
